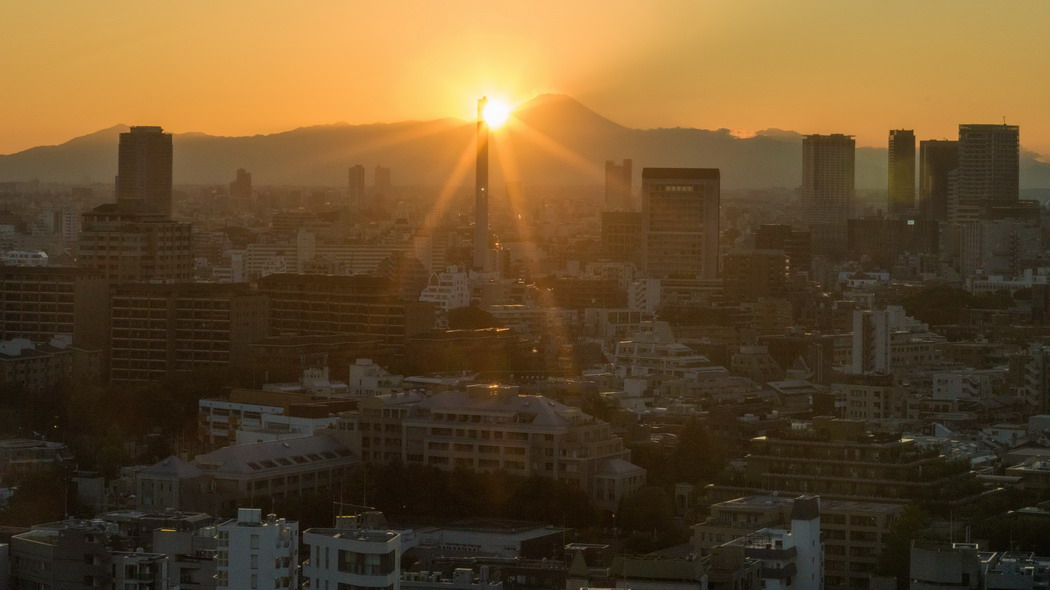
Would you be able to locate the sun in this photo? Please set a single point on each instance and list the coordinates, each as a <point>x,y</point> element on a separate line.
<point>495,112</point>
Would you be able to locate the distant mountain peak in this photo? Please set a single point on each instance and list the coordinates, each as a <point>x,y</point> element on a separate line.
<point>554,109</point>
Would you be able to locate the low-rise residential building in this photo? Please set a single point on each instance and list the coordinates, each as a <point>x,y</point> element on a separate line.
<point>353,554</point>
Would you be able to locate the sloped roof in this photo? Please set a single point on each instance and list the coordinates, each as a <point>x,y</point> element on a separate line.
<point>273,455</point>
<point>544,411</point>
<point>171,467</point>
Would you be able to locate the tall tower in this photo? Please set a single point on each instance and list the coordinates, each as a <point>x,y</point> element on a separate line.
<point>618,180</point>
<point>241,189</point>
<point>356,199</point>
<point>680,222</point>
<point>828,192</point>
<point>481,191</point>
<point>989,163</point>
<point>901,188</point>
<point>144,169</point>
<point>938,161</point>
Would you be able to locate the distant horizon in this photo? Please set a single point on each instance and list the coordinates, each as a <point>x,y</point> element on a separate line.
<point>239,68</point>
<point>769,131</point>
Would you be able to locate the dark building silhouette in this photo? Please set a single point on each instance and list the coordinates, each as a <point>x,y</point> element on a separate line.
<point>989,163</point>
<point>241,189</point>
<point>481,191</point>
<point>794,243</point>
<point>828,190</point>
<point>680,222</point>
<point>901,188</point>
<point>884,240</point>
<point>356,194</point>
<point>382,184</point>
<point>144,169</point>
<point>938,161</point>
<point>618,181</point>
<point>751,274</point>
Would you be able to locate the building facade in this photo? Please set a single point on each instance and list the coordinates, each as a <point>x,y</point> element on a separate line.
<point>680,222</point>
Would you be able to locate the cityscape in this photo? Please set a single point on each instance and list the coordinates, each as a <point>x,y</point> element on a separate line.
<point>562,336</point>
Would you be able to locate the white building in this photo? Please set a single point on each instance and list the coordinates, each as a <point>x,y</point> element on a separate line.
<point>792,559</point>
<point>655,353</point>
<point>449,289</point>
<point>886,340</point>
<point>257,554</point>
<point>367,379</point>
<point>352,555</point>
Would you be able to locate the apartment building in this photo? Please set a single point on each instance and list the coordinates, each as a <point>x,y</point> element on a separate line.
<point>37,303</point>
<point>127,244</point>
<point>256,553</point>
<point>158,330</point>
<point>490,427</point>
<point>357,305</point>
<point>352,555</point>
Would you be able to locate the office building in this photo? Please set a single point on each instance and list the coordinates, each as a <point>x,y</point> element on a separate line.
<point>900,198</point>
<point>989,164</point>
<point>938,164</point>
<point>241,190</point>
<point>618,181</point>
<point>356,195</point>
<point>257,554</point>
<point>144,170</point>
<point>622,236</point>
<point>159,330</point>
<point>680,222</point>
<point>828,192</point>
<point>884,240</point>
<point>792,558</point>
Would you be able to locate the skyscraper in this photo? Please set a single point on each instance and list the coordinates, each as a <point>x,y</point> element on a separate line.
<point>989,163</point>
<point>618,180</point>
<point>481,191</point>
<point>382,181</point>
<point>901,188</point>
<point>241,189</point>
<point>827,179</point>
<point>938,161</point>
<point>680,222</point>
<point>356,194</point>
<point>144,169</point>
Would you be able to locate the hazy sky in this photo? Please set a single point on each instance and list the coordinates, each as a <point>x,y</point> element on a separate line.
<point>244,67</point>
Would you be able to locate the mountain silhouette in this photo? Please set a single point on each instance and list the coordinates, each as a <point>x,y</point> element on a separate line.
<point>552,139</point>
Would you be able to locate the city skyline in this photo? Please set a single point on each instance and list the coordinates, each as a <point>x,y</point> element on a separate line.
<point>718,65</point>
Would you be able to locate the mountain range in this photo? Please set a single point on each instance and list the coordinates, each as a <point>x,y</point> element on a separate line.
<point>556,140</point>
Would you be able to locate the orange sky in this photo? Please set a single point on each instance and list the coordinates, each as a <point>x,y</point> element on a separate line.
<point>243,67</point>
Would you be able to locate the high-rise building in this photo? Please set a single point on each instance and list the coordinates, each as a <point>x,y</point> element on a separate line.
<point>382,181</point>
<point>618,181</point>
<point>828,193</point>
<point>938,161</point>
<point>901,188</point>
<point>621,235</point>
<point>680,222</point>
<point>241,189</point>
<point>144,169</point>
<point>356,195</point>
<point>481,191</point>
<point>988,164</point>
<point>131,246</point>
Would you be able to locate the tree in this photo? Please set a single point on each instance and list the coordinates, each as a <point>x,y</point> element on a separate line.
<point>895,559</point>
